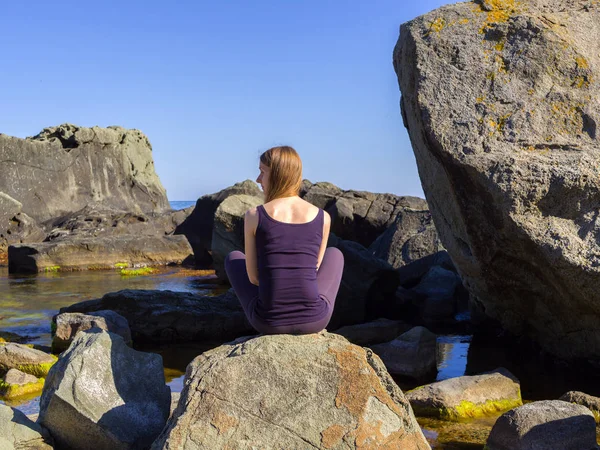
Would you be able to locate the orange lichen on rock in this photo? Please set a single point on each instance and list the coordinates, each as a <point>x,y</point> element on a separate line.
<point>332,436</point>
<point>498,11</point>
<point>223,422</point>
<point>358,385</point>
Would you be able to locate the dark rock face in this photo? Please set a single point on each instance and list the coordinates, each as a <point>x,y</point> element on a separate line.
<point>501,102</point>
<point>64,168</point>
<point>411,237</point>
<point>170,317</point>
<point>198,226</point>
<point>16,227</point>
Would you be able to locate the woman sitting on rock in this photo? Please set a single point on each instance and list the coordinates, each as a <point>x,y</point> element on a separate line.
<point>288,279</point>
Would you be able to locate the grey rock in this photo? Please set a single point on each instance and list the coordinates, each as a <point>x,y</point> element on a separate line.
<point>24,358</point>
<point>412,354</point>
<point>228,230</point>
<point>411,237</point>
<point>548,424</point>
<point>97,253</point>
<point>485,394</point>
<point>501,103</point>
<point>411,274</point>
<point>14,376</point>
<point>170,317</point>
<point>374,332</point>
<point>17,431</point>
<point>175,396</point>
<point>437,295</point>
<point>69,324</point>
<point>581,398</point>
<point>368,285</point>
<point>102,394</point>
<point>64,168</point>
<point>265,393</point>
<point>198,226</point>
<point>15,226</point>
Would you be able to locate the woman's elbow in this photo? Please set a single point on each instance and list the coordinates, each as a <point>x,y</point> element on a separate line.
<point>254,281</point>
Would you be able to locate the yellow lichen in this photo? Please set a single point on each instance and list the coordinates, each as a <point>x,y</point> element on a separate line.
<point>498,11</point>
<point>52,269</point>
<point>137,272</point>
<point>122,265</point>
<point>37,370</point>
<point>12,391</point>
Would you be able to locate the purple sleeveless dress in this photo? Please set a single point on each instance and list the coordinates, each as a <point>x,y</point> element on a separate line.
<point>287,256</point>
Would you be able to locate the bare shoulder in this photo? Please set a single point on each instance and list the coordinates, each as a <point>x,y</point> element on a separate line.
<point>326,217</point>
<point>251,216</point>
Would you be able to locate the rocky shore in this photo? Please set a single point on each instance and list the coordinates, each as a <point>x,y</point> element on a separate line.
<point>501,103</point>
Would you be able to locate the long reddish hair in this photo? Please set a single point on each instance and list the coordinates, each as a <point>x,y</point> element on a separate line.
<point>285,177</point>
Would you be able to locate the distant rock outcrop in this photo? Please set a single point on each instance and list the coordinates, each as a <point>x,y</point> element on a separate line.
<point>64,168</point>
<point>502,104</point>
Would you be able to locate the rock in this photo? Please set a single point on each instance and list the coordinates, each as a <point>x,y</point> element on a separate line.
<point>437,295</point>
<point>411,274</point>
<point>64,168</point>
<point>368,285</point>
<point>100,221</point>
<point>198,226</point>
<point>548,424</point>
<point>411,237</point>
<point>169,317</point>
<point>228,230</point>
<point>363,216</point>
<point>69,324</point>
<point>24,358</point>
<point>97,253</point>
<point>322,194</point>
<point>412,354</point>
<point>19,432</point>
<point>15,383</point>
<point>102,394</point>
<point>467,396</point>
<point>174,401</point>
<point>266,393</point>
<point>374,332</point>
<point>16,227</point>
<point>501,103</point>
<point>580,398</point>
<point>6,336</point>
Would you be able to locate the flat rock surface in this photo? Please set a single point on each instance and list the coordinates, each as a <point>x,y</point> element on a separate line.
<point>169,317</point>
<point>501,100</point>
<point>17,431</point>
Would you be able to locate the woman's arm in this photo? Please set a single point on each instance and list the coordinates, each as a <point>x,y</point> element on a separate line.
<point>326,227</point>
<point>250,224</point>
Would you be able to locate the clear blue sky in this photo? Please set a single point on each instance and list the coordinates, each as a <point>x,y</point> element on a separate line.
<point>214,83</point>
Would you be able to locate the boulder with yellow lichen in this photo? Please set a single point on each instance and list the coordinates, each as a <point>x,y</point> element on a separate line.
<point>501,102</point>
<point>294,392</point>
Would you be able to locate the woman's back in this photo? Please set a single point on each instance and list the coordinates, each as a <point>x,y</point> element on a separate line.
<point>288,239</point>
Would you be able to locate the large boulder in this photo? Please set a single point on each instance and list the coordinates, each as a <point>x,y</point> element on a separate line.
<point>293,392</point>
<point>97,253</point>
<point>64,168</point>
<point>15,383</point>
<point>19,432</point>
<point>169,317</point>
<point>501,102</point>
<point>198,226</point>
<point>411,237</point>
<point>373,332</point>
<point>548,424</point>
<point>102,394</point>
<point>228,230</point>
<point>467,397</point>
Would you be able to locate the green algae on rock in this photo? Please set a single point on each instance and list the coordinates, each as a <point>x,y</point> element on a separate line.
<point>25,359</point>
<point>467,397</point>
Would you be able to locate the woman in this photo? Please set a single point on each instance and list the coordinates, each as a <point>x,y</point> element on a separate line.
<point>288,279</point>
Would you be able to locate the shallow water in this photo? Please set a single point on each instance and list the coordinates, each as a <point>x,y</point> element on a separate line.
<point>27,304</point>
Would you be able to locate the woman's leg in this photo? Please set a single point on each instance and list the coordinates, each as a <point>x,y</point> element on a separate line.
<point>247,293</point>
